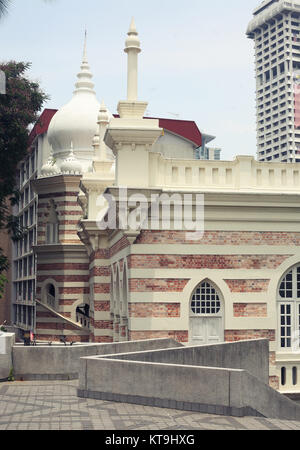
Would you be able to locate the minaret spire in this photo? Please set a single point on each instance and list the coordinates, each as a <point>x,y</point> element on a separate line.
<point>132,48</point>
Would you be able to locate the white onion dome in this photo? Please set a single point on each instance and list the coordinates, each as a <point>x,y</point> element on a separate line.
<point>49,169</point>
<point>76,121</point>
<point>71,165</point>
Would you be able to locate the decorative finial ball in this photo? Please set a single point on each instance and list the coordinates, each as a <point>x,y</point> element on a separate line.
<point>133,41</point>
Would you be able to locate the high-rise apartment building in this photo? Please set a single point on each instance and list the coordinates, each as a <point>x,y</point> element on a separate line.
<point>275,29</point>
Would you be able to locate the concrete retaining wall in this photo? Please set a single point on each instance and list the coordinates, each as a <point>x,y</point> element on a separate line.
<point>176,381</point>
<point>248,355</point>
<point>62,362</point>
<point>7,341</point>
<point>208,390</point>
<point>267,401</point>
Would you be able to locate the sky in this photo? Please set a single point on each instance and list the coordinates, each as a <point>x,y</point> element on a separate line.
<point>196,61</point>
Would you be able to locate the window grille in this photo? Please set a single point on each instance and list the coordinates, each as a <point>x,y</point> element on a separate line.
<point>205,300</point>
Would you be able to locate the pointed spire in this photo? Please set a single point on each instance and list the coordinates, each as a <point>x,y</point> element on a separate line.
<point>132,29</point>
<point>84,58</point>
<point>84,83</point>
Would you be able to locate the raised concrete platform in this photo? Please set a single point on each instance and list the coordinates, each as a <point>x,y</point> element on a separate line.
<point>190,378</point>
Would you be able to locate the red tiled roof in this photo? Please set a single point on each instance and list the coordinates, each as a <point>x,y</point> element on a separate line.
<point>184,128</point>
<point>42,124</point>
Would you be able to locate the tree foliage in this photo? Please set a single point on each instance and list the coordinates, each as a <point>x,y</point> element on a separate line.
<point>3,6</point>
<point>19,108</point>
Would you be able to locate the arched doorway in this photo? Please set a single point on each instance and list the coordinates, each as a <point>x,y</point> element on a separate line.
<point>50,296</point>
<point>206,315</point>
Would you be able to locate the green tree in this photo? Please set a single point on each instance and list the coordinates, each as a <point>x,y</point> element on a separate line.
<point>3,6</point>
<point>19,108</point>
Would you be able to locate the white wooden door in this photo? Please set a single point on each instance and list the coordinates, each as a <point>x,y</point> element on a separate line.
<point>214,330</point>
<point>198,330</point>
<point>206,330</point>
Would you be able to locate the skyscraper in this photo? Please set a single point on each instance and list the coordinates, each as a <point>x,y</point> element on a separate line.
<point>275,29</point>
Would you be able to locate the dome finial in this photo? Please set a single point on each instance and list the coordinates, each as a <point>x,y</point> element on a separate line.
<point>84,59</point>
<point>84,83</point>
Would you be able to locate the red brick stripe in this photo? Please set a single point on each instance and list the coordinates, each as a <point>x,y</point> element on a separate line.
<point>103,324</point>
<point>64,278</point>
<point>74,290</point>
<point>143,310</point>
<point>101,306</point>
<point>250,310</point>
<point>206,261</point>
<point>238,335</point>
<point>100,272</point>
<point>179,336</point>
<point>103,339</point>
<point>102,288</point>
<point>118,246</point>
<point>220,238</point>
<point>248,285</point>
<point>157,285</point>
<point>63,266</point>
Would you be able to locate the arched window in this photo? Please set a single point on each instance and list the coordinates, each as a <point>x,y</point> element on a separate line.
<point>289,310</point>
<point>206,315</point>
<point>125,294</point>
<point>50,295</point>
<point>205,300</point>
<point>112,291</point>
<point>83,315</point>
<point>52,233</point>
<point>117,293</point>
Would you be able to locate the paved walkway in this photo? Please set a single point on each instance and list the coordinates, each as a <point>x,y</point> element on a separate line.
<point>44,405</point>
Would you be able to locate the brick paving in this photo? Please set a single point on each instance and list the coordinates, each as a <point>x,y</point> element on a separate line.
<point>45,405</point>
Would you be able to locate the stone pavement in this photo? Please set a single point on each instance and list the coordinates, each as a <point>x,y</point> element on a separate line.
<point>53,405</point>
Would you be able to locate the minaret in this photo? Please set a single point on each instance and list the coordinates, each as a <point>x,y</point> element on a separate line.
<point>133,48</point>
<point>131,136</point>
<point>103,121</point>
<point>101,163</point>
<point>132,107</point>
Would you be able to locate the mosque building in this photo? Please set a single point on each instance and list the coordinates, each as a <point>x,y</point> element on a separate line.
<point>106,267</point>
